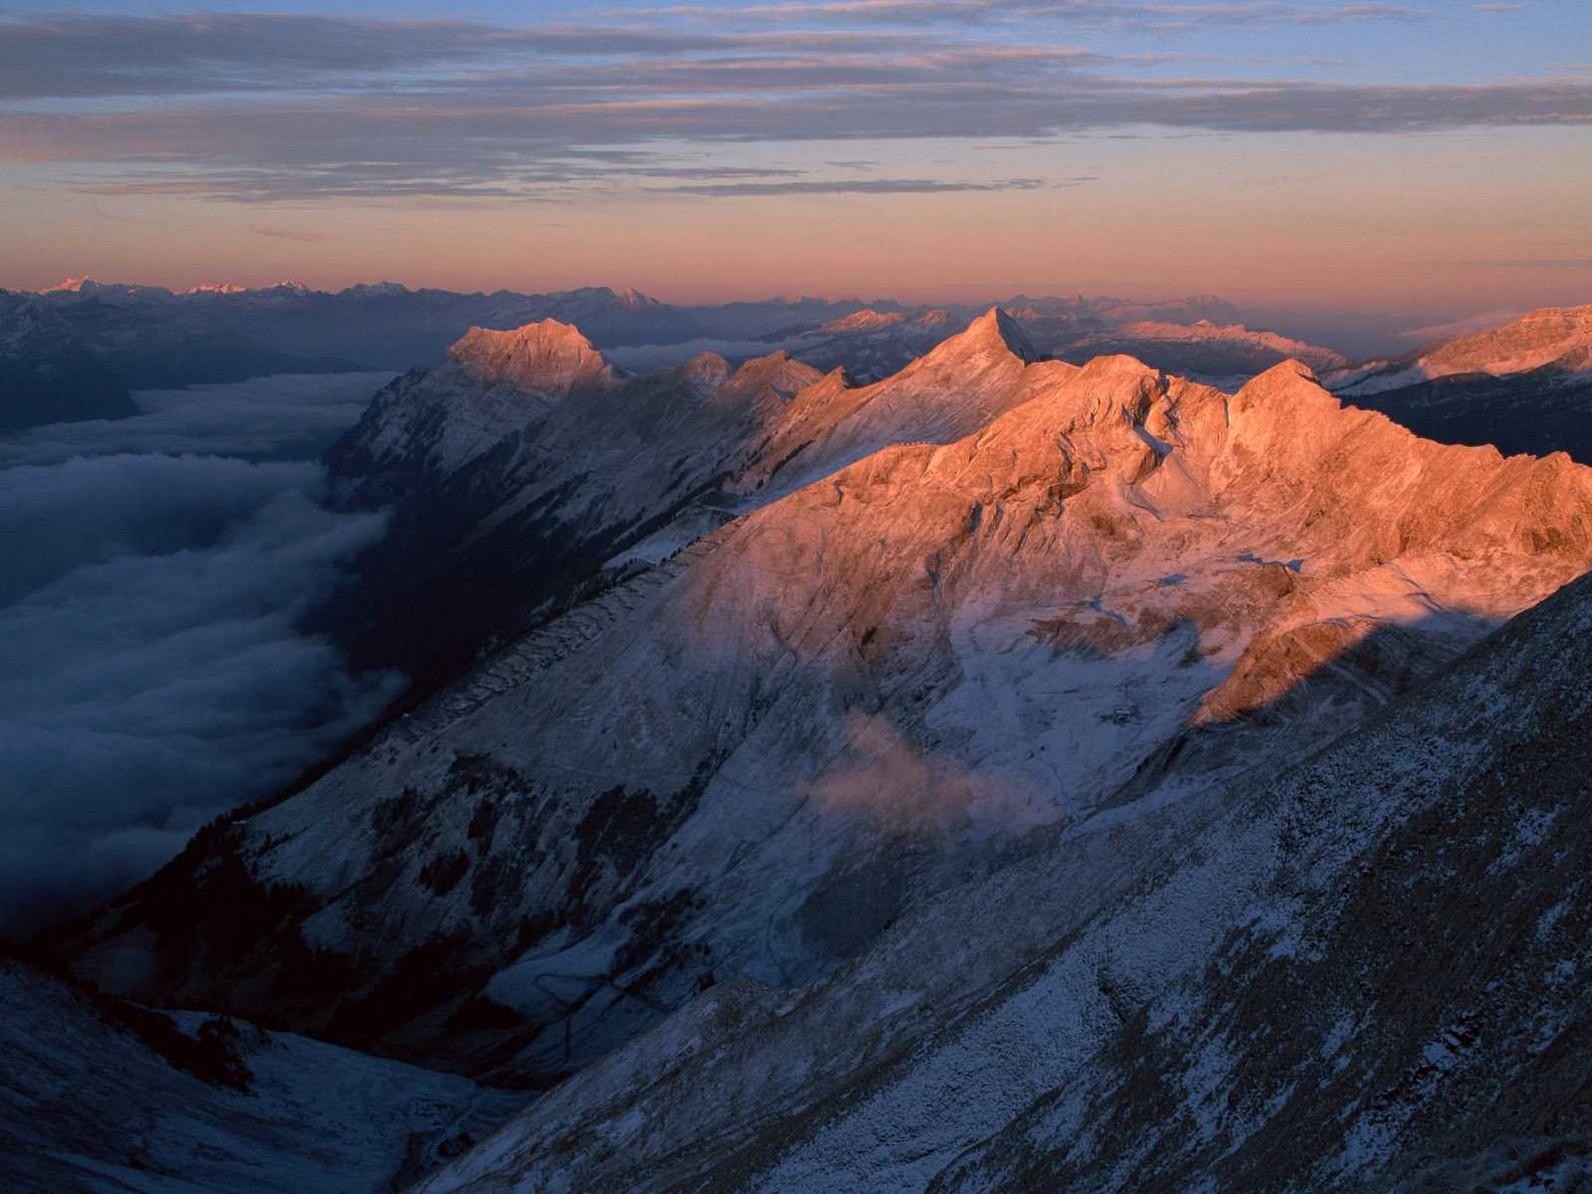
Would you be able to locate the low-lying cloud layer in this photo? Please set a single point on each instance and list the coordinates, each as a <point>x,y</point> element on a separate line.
<point>287,417</point>
<point>151,674</point>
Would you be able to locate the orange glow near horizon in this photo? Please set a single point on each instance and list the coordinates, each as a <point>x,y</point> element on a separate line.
<point>1428,225</point>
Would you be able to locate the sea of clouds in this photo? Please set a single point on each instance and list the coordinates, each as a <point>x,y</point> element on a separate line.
<point>151,671</point>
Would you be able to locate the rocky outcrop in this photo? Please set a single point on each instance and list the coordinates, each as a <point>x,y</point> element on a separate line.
<point>1522,387</point>
<point>518,474</point>
<point>1530,342</point>
<point>524,471</point>
<point>548,358</point>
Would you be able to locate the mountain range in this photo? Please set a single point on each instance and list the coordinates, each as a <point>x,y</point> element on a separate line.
<point>979,770</point>
<point>122,337</point>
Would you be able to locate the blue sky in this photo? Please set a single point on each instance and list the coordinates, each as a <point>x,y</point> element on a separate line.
<point>1454,42</point>
<point>715,149</point>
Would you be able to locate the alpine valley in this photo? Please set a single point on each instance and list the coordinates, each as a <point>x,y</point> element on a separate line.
<point>1075,744</point>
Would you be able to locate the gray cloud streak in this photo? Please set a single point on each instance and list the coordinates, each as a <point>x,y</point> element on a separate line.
<point>1123,14</point>
<point>870,186</point>
<point>95,56</point>
<point>510,114</point>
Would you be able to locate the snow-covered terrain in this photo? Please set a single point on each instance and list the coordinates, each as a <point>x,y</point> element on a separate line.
<point>1367,973</point>
<point>125,336</point>
<point>515,492</point>
<point>872,344</point>
<point>518,471</point>
<point>99,1096</point>
<point>1094,593</point>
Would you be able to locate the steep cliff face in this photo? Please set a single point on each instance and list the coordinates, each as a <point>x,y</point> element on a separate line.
<point>1365,973</point>
<point>951,391</point>
<point>746,761</point>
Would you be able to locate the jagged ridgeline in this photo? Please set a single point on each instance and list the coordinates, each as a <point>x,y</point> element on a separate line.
<point>804,654</point>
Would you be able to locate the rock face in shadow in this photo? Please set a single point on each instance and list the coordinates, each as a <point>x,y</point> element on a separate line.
<point>1539,411</point>
<point>47,373</point>
<point>1366,973</point>
<point>517,473</point>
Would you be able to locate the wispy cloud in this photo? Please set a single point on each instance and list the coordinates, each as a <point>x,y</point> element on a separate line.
<point>311,109</point>
<point>1533,263</point>
<point>293,234</point>
<point>90,56</point>
<point>882,777</point>
<point>1121,14</point>
<point>866,186</point>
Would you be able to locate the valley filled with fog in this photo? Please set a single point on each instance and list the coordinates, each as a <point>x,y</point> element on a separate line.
<point>152,673</point>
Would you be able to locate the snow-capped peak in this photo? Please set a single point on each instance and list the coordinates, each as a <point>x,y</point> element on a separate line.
<point>86,287</point>
<point>866,320</point>
<point>994,331</point>
<point>629,296</point>
<point>546,357</point>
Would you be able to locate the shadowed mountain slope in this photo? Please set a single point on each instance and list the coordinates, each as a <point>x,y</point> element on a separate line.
<point>1523,387</point>
<point>105,1096</point>
<point>1368,973</point>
